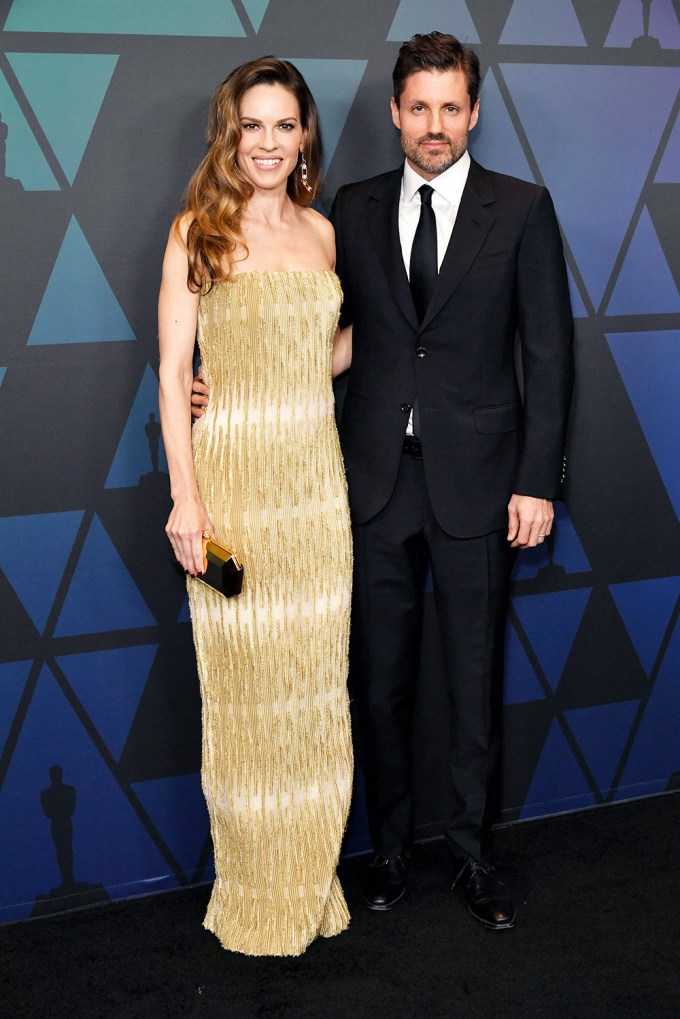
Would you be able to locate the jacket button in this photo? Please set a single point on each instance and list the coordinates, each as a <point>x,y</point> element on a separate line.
<point>406,407</point>
<point>421,352</point>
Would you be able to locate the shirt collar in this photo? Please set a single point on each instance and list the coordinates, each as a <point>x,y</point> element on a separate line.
<point>449,184</point>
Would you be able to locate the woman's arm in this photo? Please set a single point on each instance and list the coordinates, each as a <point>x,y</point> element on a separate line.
<point>177,317</point>
<point>342,350</point>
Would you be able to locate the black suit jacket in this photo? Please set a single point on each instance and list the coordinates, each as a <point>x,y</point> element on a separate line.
<point>487,429</point>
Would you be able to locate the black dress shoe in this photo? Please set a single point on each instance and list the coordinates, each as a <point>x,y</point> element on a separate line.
<point>488,898</point>
<point>383,882</point>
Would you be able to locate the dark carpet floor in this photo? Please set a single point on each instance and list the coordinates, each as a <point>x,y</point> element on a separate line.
<point>598,935</point>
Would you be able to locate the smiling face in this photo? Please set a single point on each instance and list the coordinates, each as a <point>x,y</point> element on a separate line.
<point>271,136</point>
<point>434,117</point>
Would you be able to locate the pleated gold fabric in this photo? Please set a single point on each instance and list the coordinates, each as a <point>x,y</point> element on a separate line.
<point>272,662</point>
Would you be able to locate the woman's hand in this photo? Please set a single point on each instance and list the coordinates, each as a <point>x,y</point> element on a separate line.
<point>186,524</point>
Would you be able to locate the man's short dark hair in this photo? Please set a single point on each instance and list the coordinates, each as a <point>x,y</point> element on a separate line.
<point>436,52</point>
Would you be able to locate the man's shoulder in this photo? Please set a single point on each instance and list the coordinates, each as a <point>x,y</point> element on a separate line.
<point>503,185</point>
<point>363,189</point>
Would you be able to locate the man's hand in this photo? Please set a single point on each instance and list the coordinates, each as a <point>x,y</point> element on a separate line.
<point>200,394</point>
<point>530,521</point>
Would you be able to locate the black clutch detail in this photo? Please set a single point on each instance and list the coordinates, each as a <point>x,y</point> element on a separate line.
<point>224,569</point>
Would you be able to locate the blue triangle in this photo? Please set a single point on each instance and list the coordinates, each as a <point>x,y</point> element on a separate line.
<point>177,808</point>
<point>25,161</point>
<point>494,141</point>
<point>256,10</point>
<point>13,676</point>
<point>184,614</point>
<point>102,595</point>
<point>78,305</point>
<point>645,285</point>
<point>109,685</point>
<point>578,308</point>
<point>334,84</point>
<point>33,554</point>
<point>645,607</point>
<point>669,167</point>
<point>111,846</point>
<point>649,364</point>
<point>627,24</point>
<point>542,23</point>
<point>655,755</point>
<point>2,374</point>
<point>603,102</point>
<point>567,550</point>
<point>448,15</point>
<point>126,17</point>
<point>520,684</point>
<point>133,458</point>
<point>551,622</point>
<point>66,114</point>
<point>601,734</point>
<point>558,783</point>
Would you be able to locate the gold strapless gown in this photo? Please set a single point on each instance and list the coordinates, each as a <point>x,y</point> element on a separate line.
<point>272,662</point>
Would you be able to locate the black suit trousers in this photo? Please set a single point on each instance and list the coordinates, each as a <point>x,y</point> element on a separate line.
<point>471,582</point>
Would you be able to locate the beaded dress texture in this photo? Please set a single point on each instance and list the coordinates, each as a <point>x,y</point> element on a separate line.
<point>272,662</point>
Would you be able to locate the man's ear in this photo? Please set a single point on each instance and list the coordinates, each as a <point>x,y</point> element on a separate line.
<point>394,107</point>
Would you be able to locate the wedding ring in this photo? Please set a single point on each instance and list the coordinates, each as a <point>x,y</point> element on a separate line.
<point>208,534</point>
<point>540,535</point>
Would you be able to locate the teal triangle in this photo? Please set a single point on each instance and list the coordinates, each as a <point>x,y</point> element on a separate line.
<point>551,622</point>
<point>646,607</point>
<point>645,285</point>
<point>494,140</point>
<point>669,167</point>
<point>13,676</point>
<point>334,84</point>
<point>133,458</point>
<point>655,754</point>
<point>2,374</point>
<point>603,103</point>
<point>25,161</point>
<point>66,114</point>
<point>520,684</point>
<point>447,15</point>
<point>109,685</point>
<point>102,596</point>
<point>601,733</point>
<point>542,23</point>
<point>34,551</point>
<point>212,18</point>
<point>256,10</point>
<point>184,614</point>
<point>649,364</point>
<point>558,783</point>
<point>578,308</point>
<point>111,844</point>
<point>78,305</point>
<point>627,25</point>
<point>177,808</point>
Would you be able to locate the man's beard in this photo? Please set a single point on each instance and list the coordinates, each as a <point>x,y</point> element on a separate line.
<point>432,162</point>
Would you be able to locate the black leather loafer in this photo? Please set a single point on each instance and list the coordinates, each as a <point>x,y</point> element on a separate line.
<point>488,897</point>
<point>383,882</point>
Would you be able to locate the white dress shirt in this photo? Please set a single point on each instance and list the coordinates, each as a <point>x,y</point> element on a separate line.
<point>448,191</point>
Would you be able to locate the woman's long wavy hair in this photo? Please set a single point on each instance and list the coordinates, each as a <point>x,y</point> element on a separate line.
<point>218,191</point>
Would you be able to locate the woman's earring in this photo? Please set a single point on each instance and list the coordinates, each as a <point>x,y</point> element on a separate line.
<point>303,173</point>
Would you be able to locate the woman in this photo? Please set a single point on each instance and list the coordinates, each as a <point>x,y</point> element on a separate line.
<point>249,266</point>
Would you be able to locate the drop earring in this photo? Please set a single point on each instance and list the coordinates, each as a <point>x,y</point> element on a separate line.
<point>303,173</point>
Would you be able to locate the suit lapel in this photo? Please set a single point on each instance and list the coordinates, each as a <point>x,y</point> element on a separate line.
<point>473,222</point>
<point>383,224</point>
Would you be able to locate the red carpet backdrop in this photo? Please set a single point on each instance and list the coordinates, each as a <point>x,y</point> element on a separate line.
<point>103,108</point>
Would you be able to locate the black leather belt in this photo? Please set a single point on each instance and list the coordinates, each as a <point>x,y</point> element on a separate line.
<point>412,447</point>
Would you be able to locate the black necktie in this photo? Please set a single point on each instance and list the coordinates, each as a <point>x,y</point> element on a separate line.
<point>423,270</point>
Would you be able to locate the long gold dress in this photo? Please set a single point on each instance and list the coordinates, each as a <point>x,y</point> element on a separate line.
<point>272,662</point>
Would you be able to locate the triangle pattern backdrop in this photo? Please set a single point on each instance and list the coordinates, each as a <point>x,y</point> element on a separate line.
<point>98,693</point>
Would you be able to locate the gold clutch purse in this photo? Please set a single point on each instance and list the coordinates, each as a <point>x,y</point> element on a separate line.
<point>223,570</point>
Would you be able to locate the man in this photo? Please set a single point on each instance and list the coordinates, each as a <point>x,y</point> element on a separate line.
<point>447,464</point>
